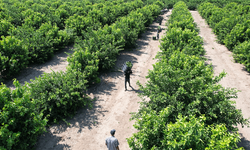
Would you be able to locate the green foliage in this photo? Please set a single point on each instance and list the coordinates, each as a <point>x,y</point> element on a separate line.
<point>43,42</point>
<point>100,15</point>
<point>5,26</point>
<point>225,26</point>
<point>3,62</point>
<point>13,57</point>
<point>182,34</point>
<point>182,18</point>
<point>233,19</point>
<point>105,43</point>
<point>229,16</point>
<point>241,54</point>
<point>181,84</point>
<point>159,3</point>
<point>183,23</point>
<point>231,25</point>
<point>81,23</point>
<point>157,132</point>
<point>185,40</point>
<point>129,64</point>
<point>135,23</point>
<point>34,19</point>
<point>83,59</point>
<point>217,16</point>
<point>58,95</point>
<point>20,122</point>
<point>187,83</point>
<point>194,4</point>
<point>205,10</point>
<point>47,26</point>
<point>239,34</point>
<point>219,21</point>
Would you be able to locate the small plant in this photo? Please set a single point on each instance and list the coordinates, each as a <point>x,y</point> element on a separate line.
<point>154,37</point>
<point>129,64</point>
<point>159,28</point>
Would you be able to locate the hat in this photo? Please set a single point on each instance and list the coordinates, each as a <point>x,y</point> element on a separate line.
<point>112,132</point>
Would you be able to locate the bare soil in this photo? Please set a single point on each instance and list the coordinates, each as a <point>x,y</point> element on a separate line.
<point>56,63</point>
<point>237,76</point>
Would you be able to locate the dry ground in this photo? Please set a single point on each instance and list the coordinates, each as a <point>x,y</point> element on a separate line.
<point>57,63</point>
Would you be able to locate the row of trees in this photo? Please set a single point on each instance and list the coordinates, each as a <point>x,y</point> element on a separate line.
<point>231,24</point>
<point>193,4</point>
<point>31,32</point>
<point>27,110</point>
<point>183,106</point>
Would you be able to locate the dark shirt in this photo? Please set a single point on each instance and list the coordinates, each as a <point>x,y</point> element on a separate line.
<point>127,74</point>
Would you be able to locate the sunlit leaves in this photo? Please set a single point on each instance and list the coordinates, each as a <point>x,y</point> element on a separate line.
<point>231,25</point>
<point>183,106</point>
<point>157,133</point>
<point>13,56</point>
<point>20,122</point>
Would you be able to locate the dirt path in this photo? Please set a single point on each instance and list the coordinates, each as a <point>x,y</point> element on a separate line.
<point>237,77</point>
<point>89,128</point>
<point>57,63</point>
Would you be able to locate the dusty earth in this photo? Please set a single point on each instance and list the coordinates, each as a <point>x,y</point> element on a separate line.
<point>237,77</point>
<point>89,128</point>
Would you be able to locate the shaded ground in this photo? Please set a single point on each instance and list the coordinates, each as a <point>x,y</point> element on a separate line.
<point>89,128</point>
<point>237,77</point>
<point>57,63</point>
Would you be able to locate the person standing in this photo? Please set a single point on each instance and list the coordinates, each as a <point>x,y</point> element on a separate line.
<point>127,77</point>
<point>112,142</point>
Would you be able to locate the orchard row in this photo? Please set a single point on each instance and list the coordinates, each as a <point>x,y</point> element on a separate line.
<point>27,110</point>
<point>187,108</point>
<point>231,24</point>
<point>31,32</point>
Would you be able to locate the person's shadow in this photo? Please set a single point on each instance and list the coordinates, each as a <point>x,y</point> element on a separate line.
<point>137,91</point>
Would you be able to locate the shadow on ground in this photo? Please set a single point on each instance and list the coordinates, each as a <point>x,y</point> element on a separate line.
<point>244,143</point>
<point>34,70</point>
<point>54,139</point>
